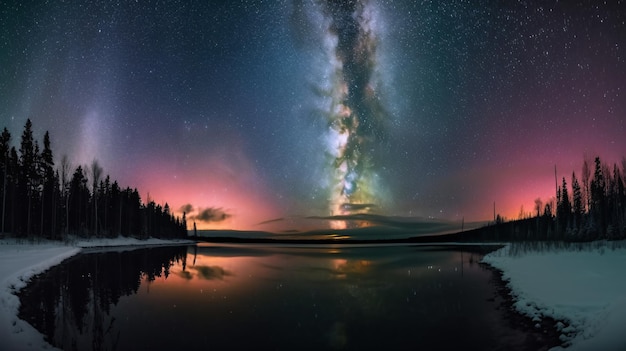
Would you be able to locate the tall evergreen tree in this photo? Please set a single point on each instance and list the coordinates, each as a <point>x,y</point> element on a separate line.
<point>29,175</point>
<point>65,188</point>
<point>47,179</point>
<point>96,173</point>
<point>106,202</point>
<point>564,208</point>
<point>616,204</point>
<point>598,198</point>
<point>5,142</point>
<point>116,210</point>
<point>79,197</point>
<point>13,189</point>
<point>586,185</point>
<point>577,202</point>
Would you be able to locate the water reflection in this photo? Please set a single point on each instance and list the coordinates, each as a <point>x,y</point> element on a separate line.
<point>71,303</point>
<point>242,297</point>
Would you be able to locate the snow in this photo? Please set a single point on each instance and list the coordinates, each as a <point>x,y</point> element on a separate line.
<point>581,285</point>
<point>20,260</point>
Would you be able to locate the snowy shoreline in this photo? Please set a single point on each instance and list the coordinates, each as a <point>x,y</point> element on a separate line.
<point>582,285</point>
<point>20,260</point>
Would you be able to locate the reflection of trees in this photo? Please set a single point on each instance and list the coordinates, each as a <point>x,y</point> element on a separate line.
<point>58,302</point>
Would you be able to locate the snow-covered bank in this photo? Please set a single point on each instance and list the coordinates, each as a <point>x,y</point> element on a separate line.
<point>20,260</point>
<point>583,285</point>
<point>125,242</point>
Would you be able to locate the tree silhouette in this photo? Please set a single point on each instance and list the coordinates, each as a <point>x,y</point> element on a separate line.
<point>598,197</point>
<point>29,154</point>
<point>5,140</point>
<point>96,173</point>
<point>49,188</point>
<point>577,202</point>
<point>564,208</point>
<point>83,204</point>
<point>65,188</point>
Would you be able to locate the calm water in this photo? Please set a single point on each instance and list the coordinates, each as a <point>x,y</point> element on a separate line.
<point>252,297</point>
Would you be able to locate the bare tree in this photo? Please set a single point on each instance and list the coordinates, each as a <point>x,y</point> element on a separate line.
<point>538,206</point>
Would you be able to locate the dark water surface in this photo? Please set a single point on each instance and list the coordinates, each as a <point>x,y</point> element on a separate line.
<point>283,298</point>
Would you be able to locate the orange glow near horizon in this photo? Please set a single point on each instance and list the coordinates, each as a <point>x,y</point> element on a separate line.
<point>232,189</point>
<point>235,189</point>
<point>245,210</point>
<point>208,269</point>
<point>515,188</point>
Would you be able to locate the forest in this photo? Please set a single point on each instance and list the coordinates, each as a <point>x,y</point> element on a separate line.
<point>42,200</point>
<point>592,208</point>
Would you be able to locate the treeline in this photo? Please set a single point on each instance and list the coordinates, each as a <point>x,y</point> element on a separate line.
<point>39,200</point>
<point>595,206</point>
<point>587,208</point>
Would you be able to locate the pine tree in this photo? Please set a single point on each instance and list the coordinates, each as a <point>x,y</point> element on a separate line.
<point>96,173</point>
<point>5,141</point>
<point>65,188</point>
<point>564,208</point>
<point>616,203</point>
<point>13,190</point>
<point>106,196</point>
<point>29,155</point>
<point>116,210</point>
<point>46,176</point>
<point>598,197</point>
<point>79,196</point>
<point>586,185</point>
<point>577,199</point>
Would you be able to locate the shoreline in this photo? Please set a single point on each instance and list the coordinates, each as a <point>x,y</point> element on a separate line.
<point>23,259</point>
<point>544,337</point>
<point>542,334</point>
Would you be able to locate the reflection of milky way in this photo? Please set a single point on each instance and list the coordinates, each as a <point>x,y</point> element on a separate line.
<point>356,115</point>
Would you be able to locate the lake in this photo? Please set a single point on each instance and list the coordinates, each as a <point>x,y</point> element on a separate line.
<point>280,298</point>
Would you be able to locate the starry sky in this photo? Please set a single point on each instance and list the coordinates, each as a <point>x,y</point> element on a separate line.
<point>260,114</point>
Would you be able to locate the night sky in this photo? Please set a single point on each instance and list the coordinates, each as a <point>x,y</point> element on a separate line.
<point>257,114</point>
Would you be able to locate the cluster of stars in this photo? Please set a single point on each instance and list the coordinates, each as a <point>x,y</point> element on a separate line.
<point>314,107</point>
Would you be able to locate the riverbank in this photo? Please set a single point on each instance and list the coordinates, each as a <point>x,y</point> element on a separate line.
<point>22,259</point>
<point>575,294</point>
<point>580,284</point>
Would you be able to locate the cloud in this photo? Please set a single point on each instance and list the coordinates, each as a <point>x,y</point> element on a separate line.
<point>409,223</point>
<point>211,214</point>
<point>186,208</point>
<point>272,220</point>
<point>357,207</point>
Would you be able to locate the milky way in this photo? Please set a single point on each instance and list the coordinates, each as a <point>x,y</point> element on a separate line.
<point>356,115</point>
<point>274,111</point>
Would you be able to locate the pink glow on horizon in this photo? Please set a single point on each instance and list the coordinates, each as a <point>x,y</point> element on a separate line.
<point>218,182</point>
<point>518,170</point>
